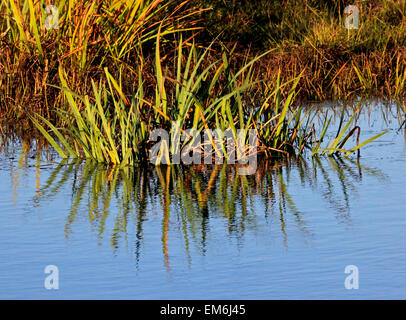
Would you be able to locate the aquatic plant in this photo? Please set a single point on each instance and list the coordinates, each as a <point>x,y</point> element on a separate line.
<point>114,128</point>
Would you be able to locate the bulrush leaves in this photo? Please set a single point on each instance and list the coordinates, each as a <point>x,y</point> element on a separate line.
<point>111,127</point>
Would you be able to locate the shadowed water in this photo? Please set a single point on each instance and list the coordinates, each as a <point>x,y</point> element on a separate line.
<point>204,232</point>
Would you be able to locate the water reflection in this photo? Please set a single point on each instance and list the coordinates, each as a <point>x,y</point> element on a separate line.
<point>285,232</point>
<point>185,199</point>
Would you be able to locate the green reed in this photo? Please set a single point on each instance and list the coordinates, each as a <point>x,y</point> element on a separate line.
<point>113,128</point>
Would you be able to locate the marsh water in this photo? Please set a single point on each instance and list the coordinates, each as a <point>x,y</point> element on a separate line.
<point>204,232</point>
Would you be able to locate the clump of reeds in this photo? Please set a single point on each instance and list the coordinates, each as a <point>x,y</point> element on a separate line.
<point>111,127</point>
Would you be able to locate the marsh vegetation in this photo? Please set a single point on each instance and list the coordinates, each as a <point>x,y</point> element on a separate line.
<point>111,72</point>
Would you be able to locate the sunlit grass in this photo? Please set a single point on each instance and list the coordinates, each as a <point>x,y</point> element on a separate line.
<point>91,35</point>
<point>115,129</point>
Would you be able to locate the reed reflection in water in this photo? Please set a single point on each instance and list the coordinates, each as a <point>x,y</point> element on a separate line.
<point>187,198</point>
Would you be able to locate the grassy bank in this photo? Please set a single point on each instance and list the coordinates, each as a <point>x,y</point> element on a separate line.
<point>306,37</point>
<point>90,37</point>
<point>113,71</point>
<point>310,36</point>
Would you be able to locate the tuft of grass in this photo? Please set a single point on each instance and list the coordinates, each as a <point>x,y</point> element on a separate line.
<point>344,133</point>
<point>113,128</point>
